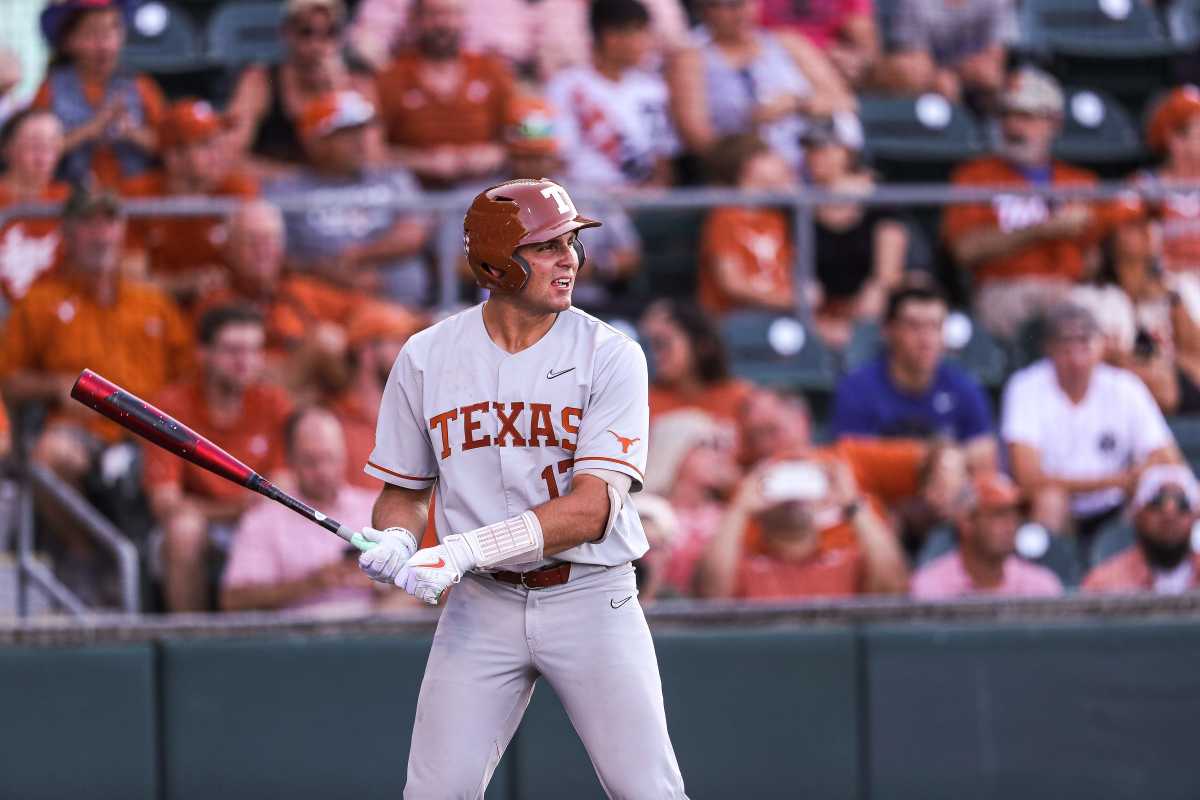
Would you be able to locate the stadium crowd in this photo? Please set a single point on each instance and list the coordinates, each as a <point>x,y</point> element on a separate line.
<point>272,329</point>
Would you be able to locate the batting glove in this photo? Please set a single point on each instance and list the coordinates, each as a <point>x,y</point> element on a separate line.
<point>389,550</point>
<point>432,570</point>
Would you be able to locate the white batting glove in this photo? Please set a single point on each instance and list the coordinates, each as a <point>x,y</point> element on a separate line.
<point>391,548</point>
<point>431,571</point>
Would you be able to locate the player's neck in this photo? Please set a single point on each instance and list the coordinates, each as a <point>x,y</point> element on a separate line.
<point>512,327</point>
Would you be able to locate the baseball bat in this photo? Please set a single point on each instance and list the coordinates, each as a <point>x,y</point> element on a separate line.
<point>156,426</point>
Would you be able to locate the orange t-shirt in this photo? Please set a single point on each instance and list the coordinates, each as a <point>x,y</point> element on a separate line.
<point>105,164</point>
<point>756,240</point>
<point>300,303</point>
<point>180,244</point>
<point>722,400</point>
<point>359,428</point>
<point>1059,258</point>
<point>886,470</point>
<point>414,115</point>
<point>29,246</point>
<point>256,438</point>
<point>826,573</point>
<point>139,342</point>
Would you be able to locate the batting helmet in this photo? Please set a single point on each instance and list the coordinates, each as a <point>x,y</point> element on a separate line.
<point>516,213</point>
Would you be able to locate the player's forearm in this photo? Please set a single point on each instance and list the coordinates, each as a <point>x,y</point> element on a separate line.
<point>576,517</point>
<point>397,507</point>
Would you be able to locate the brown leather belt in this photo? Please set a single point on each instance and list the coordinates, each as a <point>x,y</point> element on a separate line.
<point>541,578</point>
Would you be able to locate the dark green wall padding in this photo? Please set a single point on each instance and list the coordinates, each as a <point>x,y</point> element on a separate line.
<point>987,711</point>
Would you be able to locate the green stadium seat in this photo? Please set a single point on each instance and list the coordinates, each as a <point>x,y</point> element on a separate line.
<point>918,138</point>
<point>776,350</point>
<point>1119,45</point>
<point>163,38</point>
<point>244,32</point>
<point>1098,131</point>
<point>1187,435</point>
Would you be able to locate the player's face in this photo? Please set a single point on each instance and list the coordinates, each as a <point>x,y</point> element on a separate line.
<point>1075,353</point>
<point>236,357</point>
<point>553,266</point>
<point>255,248</point>
<point>318,456</point>
<point>96,40</point>
<point>915,335</point>
<point>36,147</point>
<point>94,242</point>
<point>995,531</point>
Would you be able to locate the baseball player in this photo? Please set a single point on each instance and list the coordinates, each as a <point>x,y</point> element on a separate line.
<point>528,420</point>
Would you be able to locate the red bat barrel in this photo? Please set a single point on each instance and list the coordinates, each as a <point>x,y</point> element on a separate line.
<point>146,421</point>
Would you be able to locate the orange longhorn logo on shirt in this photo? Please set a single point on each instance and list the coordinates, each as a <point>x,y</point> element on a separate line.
<point>625,443</point>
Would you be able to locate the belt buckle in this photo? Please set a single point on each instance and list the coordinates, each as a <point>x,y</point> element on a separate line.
<point>526,585</point>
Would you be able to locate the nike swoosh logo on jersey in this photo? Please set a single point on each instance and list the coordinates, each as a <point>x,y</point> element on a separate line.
<point>615,604</point>
<point>551,375</point>
<point>441,562</point>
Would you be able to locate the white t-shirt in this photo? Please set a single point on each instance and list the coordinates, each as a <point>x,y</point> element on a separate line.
<point>499,433</point>
<point>1115,426</point>
<point>612,132</point>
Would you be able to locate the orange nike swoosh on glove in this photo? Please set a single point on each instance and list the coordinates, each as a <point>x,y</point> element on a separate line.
<point>441,562</point>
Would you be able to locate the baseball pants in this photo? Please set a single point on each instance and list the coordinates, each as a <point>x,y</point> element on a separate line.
<point>588,638</point>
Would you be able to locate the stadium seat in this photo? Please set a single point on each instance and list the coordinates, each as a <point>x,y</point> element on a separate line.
<point>1098,131</point>
<point>1187,435</point>
<point>1110,540</point>
<point>775,350</point>
<point>1119,45</point>
<point>918,138</point>
<point>242,32</point>
<point>163,38</point>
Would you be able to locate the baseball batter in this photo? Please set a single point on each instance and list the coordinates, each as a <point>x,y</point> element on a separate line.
<point>528,419</point>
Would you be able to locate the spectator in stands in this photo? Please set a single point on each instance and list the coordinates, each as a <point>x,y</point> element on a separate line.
<point>1173,134</point>
<point>844,30</point>
<point>1079,432</point>
<point>942,479</point>
<point>614,114</point>
<point>692,465</point>
<point>1024,251</point>
<point>88,316</point>
<point>746,254</point>
<point>535,39</point>
<point>183,254</point>
<point>910,390</point>
<point>757,81</point>
<point>268,100</point>
<point>1162,559</point>
<point>661,526</point>
<point>1148,317</point>
<point>442,107</point>
<point>374,334</point>
<point>987,516</point>
<point>614,252</point>
<point>12,100</point>
<point>110,115</point>
<point>359,237</point>
<point>31,143</point>
<point>792,502</point>
<point>860,250</point>
<point>228,402</point>
<point>691,366</point>
<point>275,564</point>
<point>955,49</point>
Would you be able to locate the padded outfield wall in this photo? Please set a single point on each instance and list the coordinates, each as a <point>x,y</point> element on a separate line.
<point>1064,699</point>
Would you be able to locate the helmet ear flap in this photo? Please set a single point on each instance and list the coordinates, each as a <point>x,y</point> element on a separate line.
<point>580,253</point>
<point>525,269</point>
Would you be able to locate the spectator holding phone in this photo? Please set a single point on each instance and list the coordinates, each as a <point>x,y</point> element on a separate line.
<point>792,502</point>
<point>275,564</point>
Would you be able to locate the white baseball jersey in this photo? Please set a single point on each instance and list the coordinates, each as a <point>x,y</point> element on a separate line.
<point>612,132</point>
<point>499,433</point>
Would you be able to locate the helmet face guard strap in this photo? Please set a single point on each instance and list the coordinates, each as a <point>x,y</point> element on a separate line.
<point>513,214</point>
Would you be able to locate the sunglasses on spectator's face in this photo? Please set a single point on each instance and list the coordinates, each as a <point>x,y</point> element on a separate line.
<point>1160,500</point>
<point>309,32</point>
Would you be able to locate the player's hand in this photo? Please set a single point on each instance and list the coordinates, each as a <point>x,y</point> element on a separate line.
<point>390,549</point>
<point>432,570</point>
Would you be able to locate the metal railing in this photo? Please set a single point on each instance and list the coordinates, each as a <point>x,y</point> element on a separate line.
<point>444,206</point>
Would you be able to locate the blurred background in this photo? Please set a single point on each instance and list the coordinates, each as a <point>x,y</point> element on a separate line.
<point>919,286</point>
